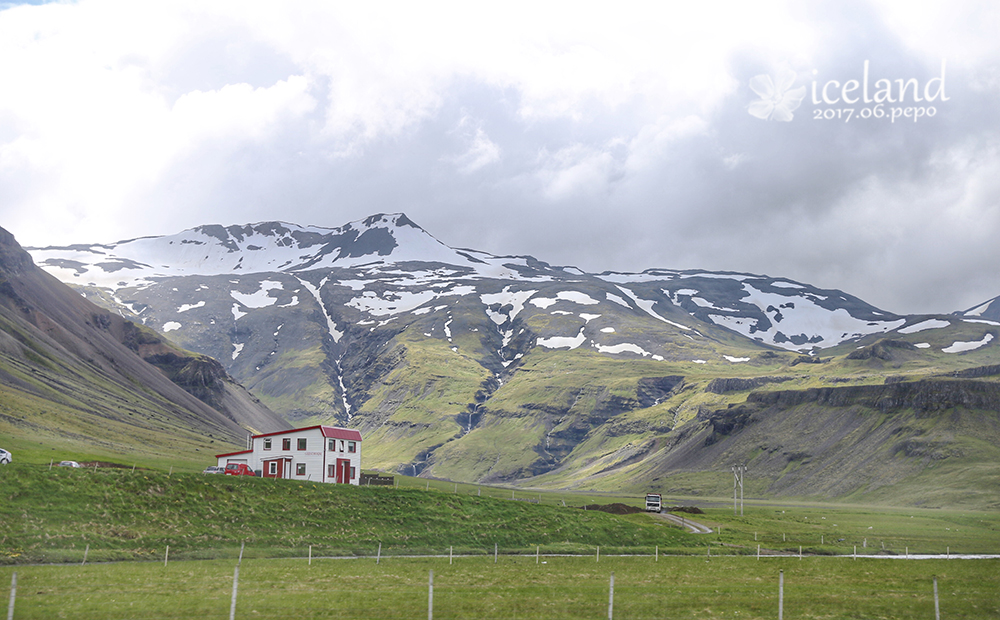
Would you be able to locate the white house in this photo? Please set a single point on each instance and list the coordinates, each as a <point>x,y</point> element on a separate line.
<point>317,453</point>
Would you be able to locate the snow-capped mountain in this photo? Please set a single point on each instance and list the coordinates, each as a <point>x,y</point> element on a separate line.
<point>400,268</point>
<point>462,364</point>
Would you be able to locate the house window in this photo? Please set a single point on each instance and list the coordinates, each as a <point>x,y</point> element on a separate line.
<point>331,445</point>
<point>352,473</point>
<point>341,445</point>
<point>286,444</point>
<point>267,443</point>
<point>331,471</point>
<point>302,443</point>
<point>352,446</point>
<point>272,468</point>
<point>300,469</point>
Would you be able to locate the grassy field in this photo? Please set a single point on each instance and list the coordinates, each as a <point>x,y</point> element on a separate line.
<point>514,587</point>
<point>57,514</point>
<point>122,522</point>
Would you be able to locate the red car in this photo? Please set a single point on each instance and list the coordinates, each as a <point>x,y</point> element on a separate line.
<point>239,469</point>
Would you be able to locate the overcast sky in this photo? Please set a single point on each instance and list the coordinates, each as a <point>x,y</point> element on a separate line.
<point>604,137</point>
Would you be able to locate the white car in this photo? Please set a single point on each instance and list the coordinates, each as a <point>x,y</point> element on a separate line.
<point>5,457</point>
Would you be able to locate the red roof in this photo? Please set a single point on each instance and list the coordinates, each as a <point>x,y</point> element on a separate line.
<point>327,431</point>
<point>341,433</point>
<point>234,453</point>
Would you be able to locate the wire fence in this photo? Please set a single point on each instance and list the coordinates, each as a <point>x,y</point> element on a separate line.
<point>517,586</point>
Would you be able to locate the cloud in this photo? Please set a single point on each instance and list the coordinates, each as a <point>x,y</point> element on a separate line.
<point>609,139</point>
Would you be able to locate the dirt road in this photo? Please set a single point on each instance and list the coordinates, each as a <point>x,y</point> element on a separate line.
<point>693,526</point>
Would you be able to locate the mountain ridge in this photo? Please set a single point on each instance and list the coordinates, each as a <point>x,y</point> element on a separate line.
<point>464,365</point>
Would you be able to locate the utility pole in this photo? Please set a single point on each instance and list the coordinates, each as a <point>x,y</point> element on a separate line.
<point>738,473</point>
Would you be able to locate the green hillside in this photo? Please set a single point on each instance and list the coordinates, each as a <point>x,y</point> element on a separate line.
<point>52,515</point>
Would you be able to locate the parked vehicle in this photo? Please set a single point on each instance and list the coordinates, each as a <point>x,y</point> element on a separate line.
<point>654,503</point>
<point>239,469</point>
<point>5,457</point>
<point>68,464</point>
<point>214,469</point>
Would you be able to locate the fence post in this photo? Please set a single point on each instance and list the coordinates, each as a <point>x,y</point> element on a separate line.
<point>758,551</point>
<point>310,555</point>
<point>536,553</point>
<point>236,582</point>
<point>937,609</point>
<point>657,553</point>
<point>781,593</point>
<point>855,552</point>
<point>800,552</point>
<point>598,553</point>
<point>85,552</point>
<point>611,598</point>
<point>13,595</point>
<point>449,554</point>
<point>430,597</point>
<point>166,554</point>
<point>379,556</point>
<point>240,561</point>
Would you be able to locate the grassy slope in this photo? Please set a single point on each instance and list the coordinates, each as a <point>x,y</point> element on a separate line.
<point>418,405</point>
<point>70,412</point>
<point>51,515</point>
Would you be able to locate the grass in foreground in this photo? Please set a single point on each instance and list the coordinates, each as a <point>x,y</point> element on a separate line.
<point>515,587</point>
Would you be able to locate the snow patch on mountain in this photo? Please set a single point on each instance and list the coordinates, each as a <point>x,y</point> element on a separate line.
<point>186,307</point>
<point>647,306</point>
<point>170,326</point>
<point>625,347</point>
<point>618,300</point>
<point>961,347</point>
<point>259,298</point>
<point>563,342</point>
<point>924,325</point>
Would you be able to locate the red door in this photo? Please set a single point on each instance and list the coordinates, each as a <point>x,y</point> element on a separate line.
<point>274,468</point>
<point>343,471</point>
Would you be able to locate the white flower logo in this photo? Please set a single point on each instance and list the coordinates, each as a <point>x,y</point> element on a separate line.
<point>776,100</point>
